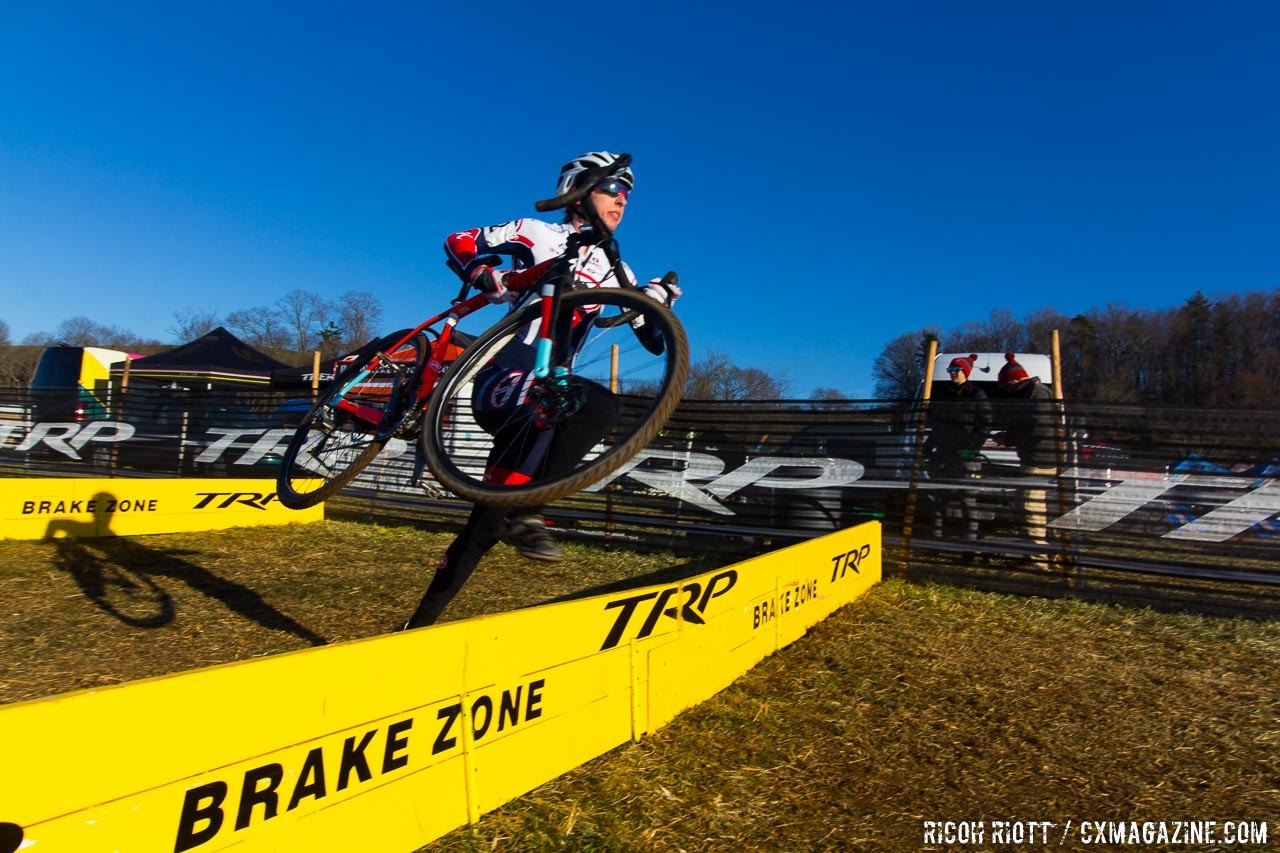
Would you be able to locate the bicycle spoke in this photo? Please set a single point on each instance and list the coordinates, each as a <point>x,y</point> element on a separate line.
<point>350,423</point>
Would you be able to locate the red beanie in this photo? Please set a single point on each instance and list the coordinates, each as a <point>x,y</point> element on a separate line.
<point>965,365</point>
<point>1012,371</point>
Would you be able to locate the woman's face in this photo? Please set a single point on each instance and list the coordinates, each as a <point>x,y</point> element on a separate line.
<point>610,200</point>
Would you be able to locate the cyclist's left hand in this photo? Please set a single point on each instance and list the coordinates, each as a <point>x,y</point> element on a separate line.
<point>667,293</point>
<point>492,283</point>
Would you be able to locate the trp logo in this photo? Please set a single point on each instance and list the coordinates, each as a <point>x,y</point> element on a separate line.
<point>691,609</point>
<point>223,500</point>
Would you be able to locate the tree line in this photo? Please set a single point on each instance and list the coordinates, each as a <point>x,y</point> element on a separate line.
<point>301,322</point>
<point>1219,352</point>
<point>1222,352</point>
<point>297,324</point>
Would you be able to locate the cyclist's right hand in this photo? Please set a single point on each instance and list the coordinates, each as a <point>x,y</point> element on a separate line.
<point>664,290</point>
<point>492,283</point>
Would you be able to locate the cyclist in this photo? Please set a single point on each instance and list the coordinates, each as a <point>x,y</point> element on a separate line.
<point>499,399</point>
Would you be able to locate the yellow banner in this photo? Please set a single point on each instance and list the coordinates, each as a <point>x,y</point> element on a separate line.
<point>57,507</point>
<point>388,743</point>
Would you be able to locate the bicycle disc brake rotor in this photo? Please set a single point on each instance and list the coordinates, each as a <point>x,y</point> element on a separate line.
<point>553,399</point>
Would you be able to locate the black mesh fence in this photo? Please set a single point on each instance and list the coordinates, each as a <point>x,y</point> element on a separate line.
<point>1162,506</point>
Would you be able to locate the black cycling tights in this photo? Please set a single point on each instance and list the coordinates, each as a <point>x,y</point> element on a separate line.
<point>484,528</point>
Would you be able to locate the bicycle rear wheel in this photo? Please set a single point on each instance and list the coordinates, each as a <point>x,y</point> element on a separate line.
<point>635,375</point>
<point>363,407</point>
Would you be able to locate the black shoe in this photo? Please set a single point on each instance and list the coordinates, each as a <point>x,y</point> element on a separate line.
<point>528,535</point>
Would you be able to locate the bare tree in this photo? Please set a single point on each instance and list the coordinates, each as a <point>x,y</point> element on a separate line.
<point>825,398</point>
<point>998,333</point>
<point>1038,329</point>
<point>4,334</point>
<point>899,369</point>
<point>716,377</point>
<point>18,365</point>
<point>262,326</point>
<point>302,312</point>
<point>703,374</point>
<point>81,331</point>
<point>191,323</point>
<point>359,315</point>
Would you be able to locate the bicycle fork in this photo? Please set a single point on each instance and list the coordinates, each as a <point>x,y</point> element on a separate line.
<point>550,295</point>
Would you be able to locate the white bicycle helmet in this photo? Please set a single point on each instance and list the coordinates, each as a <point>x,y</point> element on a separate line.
<point>570,171</point>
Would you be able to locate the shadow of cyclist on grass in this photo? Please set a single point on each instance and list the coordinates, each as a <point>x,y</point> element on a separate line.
<point>120,575</point>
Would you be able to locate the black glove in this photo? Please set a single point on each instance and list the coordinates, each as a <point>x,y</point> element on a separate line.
<point>490,283</point>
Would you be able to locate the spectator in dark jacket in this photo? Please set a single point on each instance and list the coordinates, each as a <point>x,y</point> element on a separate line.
<point>959,420</point>
<point>1027,420</point>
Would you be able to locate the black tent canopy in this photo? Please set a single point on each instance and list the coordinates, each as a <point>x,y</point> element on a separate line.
<point>215,359</point>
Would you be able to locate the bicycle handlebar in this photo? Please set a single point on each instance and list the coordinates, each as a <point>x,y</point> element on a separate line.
<point>586,183</point>
<point>627,316</point>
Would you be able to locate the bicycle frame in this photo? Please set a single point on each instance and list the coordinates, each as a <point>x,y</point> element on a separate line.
<point>431,370</point>
<point>548,294</point>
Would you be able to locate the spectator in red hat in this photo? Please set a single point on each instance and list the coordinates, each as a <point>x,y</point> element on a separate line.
<point>1027,419</point>
<point>959,420</point>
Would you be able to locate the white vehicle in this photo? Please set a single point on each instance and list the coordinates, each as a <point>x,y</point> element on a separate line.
<point>986,367</point>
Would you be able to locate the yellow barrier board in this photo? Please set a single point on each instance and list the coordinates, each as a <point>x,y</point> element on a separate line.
<point>387,743</point>
<point>57,507</point>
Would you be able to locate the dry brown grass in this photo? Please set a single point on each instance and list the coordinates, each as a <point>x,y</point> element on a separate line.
<point>89,612</point>
<point>917,702</point>
<point>925,702</point>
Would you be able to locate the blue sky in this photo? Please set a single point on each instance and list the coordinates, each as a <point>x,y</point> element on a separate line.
<point>824,176</point>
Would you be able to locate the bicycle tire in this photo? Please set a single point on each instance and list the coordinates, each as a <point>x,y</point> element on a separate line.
<point>460,470</point>
<point>310,471</point>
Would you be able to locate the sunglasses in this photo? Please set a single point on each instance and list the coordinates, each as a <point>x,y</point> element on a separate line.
<point>953,370</point>
<point>613,188</point>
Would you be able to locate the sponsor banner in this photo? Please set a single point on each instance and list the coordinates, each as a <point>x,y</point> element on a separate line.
<point>74,507</point>
<point>825,477</point>
<point>387,743</point>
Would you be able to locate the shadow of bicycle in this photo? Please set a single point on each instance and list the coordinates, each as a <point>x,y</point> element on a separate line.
<point>122,577</point>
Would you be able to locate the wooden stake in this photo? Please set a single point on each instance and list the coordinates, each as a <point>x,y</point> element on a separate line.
<point>1066,554</point>
<point>908,520</point>
<point>1056,355</point>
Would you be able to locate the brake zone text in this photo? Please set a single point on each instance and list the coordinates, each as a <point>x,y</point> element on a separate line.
<point>92,506</point>
<point>348,765</point>
<point>785,601</point>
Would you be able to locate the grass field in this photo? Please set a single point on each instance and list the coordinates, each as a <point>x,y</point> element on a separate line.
<point>918,702</point>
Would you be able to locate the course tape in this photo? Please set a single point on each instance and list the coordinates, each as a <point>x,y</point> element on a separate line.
<point>387,743</point>
<point>83,507</point>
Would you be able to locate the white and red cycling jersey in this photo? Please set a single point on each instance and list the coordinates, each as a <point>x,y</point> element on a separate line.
<point>532,245</point>
<point>501,389</point>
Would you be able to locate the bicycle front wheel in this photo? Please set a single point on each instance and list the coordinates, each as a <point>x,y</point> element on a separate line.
<point>494,435</point>
<point>364,406</point>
